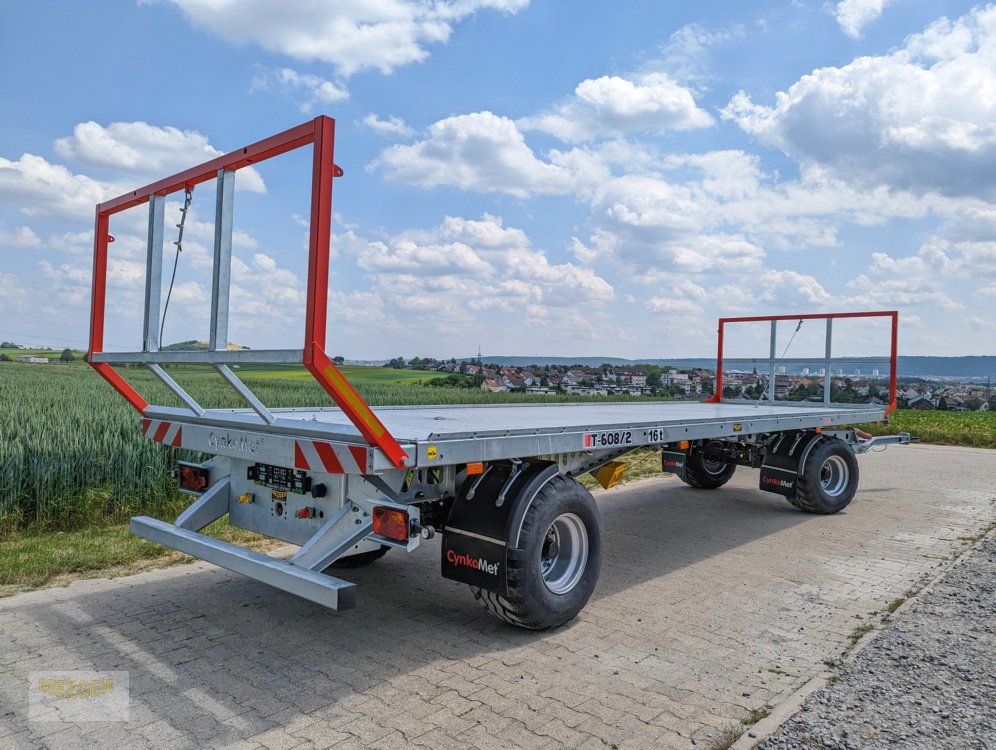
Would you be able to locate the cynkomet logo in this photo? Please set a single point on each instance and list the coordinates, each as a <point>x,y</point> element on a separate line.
<point>235,443</point>
<point>474,563</point>
<point>776,481</point>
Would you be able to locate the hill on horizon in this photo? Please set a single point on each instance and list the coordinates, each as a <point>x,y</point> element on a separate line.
<point>974,366</point>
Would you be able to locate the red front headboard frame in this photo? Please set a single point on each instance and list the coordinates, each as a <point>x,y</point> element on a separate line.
<point>893,356</point>
<point>321,133</point>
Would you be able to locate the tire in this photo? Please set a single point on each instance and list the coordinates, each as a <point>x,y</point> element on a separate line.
<point>360,559</point>
<point>829,480</point>
<point>553,571</point>
<point>706,474</point>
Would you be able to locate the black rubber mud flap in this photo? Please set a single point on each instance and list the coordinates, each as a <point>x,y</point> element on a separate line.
<point>674,461</point>
<point>783,462</point>
<point>484,523</point>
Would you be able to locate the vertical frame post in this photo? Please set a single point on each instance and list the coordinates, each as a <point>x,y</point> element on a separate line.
<point>322,171</point>
<point>221,278</point>
<point>774,349</point>
<point>717,395</point>
<point>101,239</point>
<point>893,364</point>
<point>827,375</point>
<point>154,273</point>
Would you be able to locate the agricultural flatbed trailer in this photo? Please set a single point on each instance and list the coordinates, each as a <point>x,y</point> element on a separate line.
<point>498,483</point>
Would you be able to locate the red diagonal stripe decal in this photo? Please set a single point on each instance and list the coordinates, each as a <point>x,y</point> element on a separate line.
<point>360,456</point>
<point>161,432</point>
<point>146,424</point>
<point>178,438</point>
<point>300,462</point>
<point>328,457</point>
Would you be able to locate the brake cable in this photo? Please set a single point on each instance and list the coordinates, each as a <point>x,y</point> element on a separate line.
<point>758,402</point>
<point>188,195</point>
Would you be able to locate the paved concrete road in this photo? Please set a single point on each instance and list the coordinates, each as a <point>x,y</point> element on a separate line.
<point>709,604</point>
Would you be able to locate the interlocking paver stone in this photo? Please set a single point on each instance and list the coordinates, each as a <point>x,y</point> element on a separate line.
<point>709,604</point>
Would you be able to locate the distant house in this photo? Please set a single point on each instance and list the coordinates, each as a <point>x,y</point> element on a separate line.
<point>632,377</point>
<point>495,386</point>
<point>31,359</point>
<point>922,403</point>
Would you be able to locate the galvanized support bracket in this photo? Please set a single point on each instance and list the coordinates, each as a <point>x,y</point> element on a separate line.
<point>206,509</point>
<point>349,526</point>
<point>181,394</point>
<point>248,396</point>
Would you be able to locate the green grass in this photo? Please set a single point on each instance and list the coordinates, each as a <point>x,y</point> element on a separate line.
<point>52,354</point>
<point>72,454</point>
<point>356,374</point>
<point>859,632</point>
<point>38,558</point>
<point>755,715</point>
<point>976,429</point>
<point>74,465</point>
<point>727,738</point>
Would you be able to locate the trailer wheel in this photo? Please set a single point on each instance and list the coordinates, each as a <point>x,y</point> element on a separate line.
<point>705,473</point>
<point>553,570</point>
<point>360,559</point>
<point>829,480</point>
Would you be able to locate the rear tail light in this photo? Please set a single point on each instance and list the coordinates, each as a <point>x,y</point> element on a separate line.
<point>193,478</point>
<point>390,523</point>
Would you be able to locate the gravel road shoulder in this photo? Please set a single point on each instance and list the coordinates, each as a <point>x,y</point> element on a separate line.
<point>928,681</point>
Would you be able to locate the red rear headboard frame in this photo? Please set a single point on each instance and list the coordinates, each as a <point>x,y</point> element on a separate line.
<point>319,132</point>
<point>893,315</point>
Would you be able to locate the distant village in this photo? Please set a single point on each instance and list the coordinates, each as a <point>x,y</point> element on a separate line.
<point>656,381</point>
<point>670,382</point>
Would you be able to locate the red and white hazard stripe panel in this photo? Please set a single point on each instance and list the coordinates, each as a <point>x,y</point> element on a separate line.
<point>168,433</point>
<point>315,455</point>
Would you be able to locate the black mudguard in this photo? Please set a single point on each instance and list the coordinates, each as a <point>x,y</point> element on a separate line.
<point>784,461</point>
<point>485,521</point>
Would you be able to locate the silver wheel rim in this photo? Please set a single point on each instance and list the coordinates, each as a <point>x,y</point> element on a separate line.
<point>713,467</point>
<point>565,553</point>
<point>834,476</point>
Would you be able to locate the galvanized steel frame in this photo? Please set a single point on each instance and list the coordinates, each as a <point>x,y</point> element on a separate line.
<point>320,133</point>
<point>826,361</point>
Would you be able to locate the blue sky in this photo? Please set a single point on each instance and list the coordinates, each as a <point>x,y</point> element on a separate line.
<point>523,176</point>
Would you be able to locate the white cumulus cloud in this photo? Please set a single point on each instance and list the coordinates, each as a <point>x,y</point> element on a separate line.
<point>922,118</point>
<point>18,237</point>
<point>147,151</point>
<point>38,187</point>
<point>854,15</point>
<point>352,35</point>
<point>317,90</point>
<point>479,151</point>
<point>614,105</point>
<point>391,126</point>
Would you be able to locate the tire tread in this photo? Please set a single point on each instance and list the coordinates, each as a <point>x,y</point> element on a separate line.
<point>514,608</point>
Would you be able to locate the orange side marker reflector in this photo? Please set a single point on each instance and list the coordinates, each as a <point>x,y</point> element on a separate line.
<point>475,469</point>
<point>818,429</point>
<point>683,445</point>
<point>391,523</point>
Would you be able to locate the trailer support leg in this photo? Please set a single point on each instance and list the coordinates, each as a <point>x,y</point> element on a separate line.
<point>207,509</point>
<point>347,527</point>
